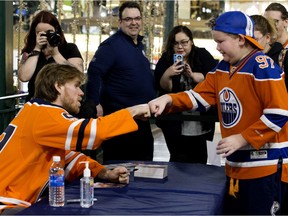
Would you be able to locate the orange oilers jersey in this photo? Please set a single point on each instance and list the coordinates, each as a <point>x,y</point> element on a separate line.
<point>41,130</point>
<point>252,100</point>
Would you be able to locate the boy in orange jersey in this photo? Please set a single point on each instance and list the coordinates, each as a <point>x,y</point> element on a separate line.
<point>249,92</point>
<point>44,127</point>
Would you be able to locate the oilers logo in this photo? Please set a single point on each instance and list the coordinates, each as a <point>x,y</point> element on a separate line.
<point>231,108</point>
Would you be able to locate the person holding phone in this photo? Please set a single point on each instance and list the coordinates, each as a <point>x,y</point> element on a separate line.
<point>186,140</point>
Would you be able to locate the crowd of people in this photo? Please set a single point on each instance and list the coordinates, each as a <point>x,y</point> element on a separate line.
<point>246,90</point>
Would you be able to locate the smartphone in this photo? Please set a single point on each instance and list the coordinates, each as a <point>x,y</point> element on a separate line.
<point>178,58</point>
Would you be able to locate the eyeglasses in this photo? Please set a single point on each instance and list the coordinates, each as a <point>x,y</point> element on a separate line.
<point>183,43</point>
<point>130,19</point>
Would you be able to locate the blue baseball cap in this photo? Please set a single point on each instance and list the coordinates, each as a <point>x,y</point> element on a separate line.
<point>237,22</point>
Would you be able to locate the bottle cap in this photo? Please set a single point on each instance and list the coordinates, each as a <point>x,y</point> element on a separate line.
<point>56,158</point>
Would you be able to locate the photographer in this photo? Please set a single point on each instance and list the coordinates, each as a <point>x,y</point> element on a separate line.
<point>44,44</point>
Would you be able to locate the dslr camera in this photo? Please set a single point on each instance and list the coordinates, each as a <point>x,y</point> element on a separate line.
<point>53,38</point>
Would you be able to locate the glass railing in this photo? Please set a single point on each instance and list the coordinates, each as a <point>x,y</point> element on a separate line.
<point>12,104</point>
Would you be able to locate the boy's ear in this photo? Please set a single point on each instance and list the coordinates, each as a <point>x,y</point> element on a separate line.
<point>242,40</point>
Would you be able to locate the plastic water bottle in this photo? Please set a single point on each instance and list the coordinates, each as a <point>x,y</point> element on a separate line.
<point>56,183</point>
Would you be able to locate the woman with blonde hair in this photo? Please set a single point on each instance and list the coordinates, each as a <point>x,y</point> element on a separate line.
<point>266,34</point>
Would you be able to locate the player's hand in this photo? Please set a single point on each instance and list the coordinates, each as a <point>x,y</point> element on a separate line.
<point>141,111</point>
<point>120,174</point>
<point>158,105</point>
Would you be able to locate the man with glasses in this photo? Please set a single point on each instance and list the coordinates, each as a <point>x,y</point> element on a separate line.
<point>279,14</point>
<point>119,75</point>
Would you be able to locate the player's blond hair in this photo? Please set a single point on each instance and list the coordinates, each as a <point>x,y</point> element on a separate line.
<point>54,73</point>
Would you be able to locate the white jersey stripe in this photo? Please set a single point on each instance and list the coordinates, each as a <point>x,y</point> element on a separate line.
<point>255,163</point>
<point>14,201</point>
<point>193,100</point>
<point>71,164</point>
<point>69,155</point>
<point>276,111</point>
<point>93,132</point>
<point>270,124</point>
<point>70,133</point>
<point>267,146</point>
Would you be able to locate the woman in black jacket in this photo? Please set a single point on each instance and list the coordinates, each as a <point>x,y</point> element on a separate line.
<point>186,140</point>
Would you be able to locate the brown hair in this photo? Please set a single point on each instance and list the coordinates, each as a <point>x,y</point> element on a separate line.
<point>55,73</point>
<point>41,17</point>
<point>129,4</point>
<point>278,7</point>
<point>265,26</point>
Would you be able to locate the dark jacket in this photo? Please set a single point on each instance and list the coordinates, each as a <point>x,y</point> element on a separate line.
<point>274,53</point>
<point>119,75</point>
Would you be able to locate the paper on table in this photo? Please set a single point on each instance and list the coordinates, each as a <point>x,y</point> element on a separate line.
<point>213,158</point>
<point>108,185</point>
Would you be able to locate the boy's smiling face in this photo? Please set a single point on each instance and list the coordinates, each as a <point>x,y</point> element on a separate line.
<point>229,46</point>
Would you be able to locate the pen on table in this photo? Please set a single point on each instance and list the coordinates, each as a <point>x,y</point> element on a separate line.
<point>132,170</point>
<point>77,200</point>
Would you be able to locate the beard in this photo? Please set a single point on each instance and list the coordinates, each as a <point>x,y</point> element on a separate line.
<point>71,107</point>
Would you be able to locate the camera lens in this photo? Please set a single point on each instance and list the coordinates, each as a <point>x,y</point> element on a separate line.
<point>53,38</point>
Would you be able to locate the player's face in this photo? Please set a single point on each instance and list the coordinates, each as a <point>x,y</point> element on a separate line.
<point>228,46</point>
<point>131,22</point>
<point>71,96</point>
<point>183,44</point>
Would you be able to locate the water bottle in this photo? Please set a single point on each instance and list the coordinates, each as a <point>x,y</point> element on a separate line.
<point>56,183</point>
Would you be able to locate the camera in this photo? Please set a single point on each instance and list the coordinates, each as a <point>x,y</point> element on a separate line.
<point>178,58</point>
<point>53,38</point>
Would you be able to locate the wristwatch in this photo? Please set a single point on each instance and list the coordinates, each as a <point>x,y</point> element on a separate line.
<point>34,53</point>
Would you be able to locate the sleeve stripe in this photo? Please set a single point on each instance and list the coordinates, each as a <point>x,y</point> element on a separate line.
<point>70,133</point>
<point>192,98</point>
<point>198,100</point>
<point>71,164</point>
<point>270,124</point>
<point>70,154</point>
<point>93,132</point>
<point>81,134</point>
<point>276,111</point>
